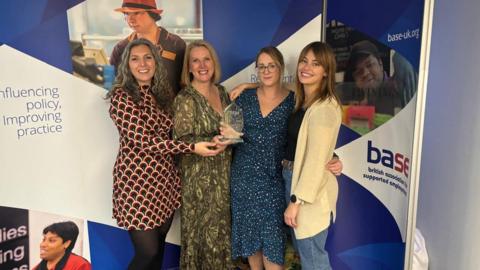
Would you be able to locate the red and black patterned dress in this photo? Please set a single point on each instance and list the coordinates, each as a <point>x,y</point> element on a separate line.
<point>146,184</point>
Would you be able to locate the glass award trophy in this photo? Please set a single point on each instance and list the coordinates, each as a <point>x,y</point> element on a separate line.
<point>233,123</point>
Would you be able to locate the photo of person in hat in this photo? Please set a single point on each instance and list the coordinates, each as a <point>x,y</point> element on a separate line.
<point>367,83</point>
<point>141,16</point>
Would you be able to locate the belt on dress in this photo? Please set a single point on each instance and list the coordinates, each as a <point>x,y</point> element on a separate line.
<point>287,164</point>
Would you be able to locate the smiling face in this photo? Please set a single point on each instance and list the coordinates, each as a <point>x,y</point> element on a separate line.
<point>201,64</point>
<point>310,71</point>
<point>52,247</point>
<point>142,64</point>
<point>368,73</point>
<point>268,70</point>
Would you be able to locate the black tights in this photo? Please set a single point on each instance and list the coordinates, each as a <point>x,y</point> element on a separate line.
<point>149,246</point>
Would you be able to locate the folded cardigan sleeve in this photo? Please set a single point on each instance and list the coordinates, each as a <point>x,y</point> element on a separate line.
<point>322,129</point>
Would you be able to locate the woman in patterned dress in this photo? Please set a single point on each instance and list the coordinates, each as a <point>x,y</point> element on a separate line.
<point>146,185</point>
<point>205,214</point>
<point>257,187</point>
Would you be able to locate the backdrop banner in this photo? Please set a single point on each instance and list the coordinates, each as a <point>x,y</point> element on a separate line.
<point>58,142</point>
<point>377,45</point>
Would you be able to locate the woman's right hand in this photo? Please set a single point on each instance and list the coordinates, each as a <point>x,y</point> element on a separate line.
<point>290,215</point>
<point>206,149</point>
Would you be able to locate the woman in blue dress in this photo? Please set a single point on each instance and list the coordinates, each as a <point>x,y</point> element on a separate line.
<point>257,188</point>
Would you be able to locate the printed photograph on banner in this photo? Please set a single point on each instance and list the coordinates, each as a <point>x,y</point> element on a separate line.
<point>30,238</point>
<point>374,82</point>
<point>56,239</point>
<point>100,30</point>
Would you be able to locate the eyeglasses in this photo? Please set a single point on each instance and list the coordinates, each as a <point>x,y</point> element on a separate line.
<point>269,67</point>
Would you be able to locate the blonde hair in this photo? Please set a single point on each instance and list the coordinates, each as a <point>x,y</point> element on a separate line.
<point>187,77</point>
<point>326,90</point>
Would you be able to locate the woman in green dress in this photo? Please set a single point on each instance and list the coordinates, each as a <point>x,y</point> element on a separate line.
<point>205,214</point>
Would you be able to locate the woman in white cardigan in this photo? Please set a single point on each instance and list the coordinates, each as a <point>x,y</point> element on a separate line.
<point>315,124</point>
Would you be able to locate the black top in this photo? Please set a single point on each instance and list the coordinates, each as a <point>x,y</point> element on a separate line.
<point>293,128</point>
<point>294,123</point>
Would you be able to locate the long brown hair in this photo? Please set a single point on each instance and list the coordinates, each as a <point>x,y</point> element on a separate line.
<point>326,90</point>
<point>160,87</point>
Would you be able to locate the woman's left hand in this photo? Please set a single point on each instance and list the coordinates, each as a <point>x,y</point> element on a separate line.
<point>290,215</point>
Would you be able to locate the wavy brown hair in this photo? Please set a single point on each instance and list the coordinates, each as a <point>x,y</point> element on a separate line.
<point>326,90</point>
<point>160,87</point>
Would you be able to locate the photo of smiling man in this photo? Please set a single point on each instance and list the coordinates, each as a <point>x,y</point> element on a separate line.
<point>370,83</point>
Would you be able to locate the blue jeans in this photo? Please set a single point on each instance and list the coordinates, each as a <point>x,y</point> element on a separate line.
<point>313,255</point>
<point>287,176</point>
<point>312,250</point>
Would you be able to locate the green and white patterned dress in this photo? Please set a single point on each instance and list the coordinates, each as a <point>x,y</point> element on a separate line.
<point>205,213</point>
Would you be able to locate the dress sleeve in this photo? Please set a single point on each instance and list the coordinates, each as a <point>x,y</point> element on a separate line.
<point>322,129</point>
<point>127,116</point>
<point>183,121</point>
